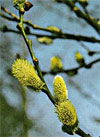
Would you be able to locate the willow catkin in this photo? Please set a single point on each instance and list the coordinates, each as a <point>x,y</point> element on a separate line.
<point>60,89</point>
<point>26,74</point>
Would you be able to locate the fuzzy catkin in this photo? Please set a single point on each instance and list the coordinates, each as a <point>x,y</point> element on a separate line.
<point>26,74</point>
<point>59,89</point>
<point>55,64</point>
<point>66,113</point>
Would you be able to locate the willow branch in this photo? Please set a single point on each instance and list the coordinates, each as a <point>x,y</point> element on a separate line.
<point>57,36</point>
<point>82,133</point>
<point>17,19</point>
<point>87,66</point>
<point>90,20</point>
<point>90,52</point>
<point>20,26</point>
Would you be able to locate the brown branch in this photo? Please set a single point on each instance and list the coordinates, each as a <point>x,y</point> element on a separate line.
<point>90,20</point>
<point>90,52</point>
<point>87,66</point>
<point>82,133</point>
<point>57,36</point>
<point>8,18</point>
<point>17,19</point>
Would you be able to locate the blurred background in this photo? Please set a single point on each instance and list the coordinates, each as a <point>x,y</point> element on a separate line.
<point>39,119</point>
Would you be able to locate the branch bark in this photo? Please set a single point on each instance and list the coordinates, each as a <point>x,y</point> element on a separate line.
<point>90,20</point>
<point>54,35</point>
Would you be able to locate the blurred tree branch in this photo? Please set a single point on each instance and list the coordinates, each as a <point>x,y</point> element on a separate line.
<point>73,70</point>
<point>90,52</point>
<point>89,19</point>
<point>54,35</point>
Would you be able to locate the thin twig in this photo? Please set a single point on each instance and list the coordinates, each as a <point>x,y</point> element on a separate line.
<point>87,66</point>
<point>90,20</point>
<point>82,133</point>
<point>20,26</point>
<point>90,52</point>
<point>57,36</point>
<point>84,7</point>
<point>16,18</point>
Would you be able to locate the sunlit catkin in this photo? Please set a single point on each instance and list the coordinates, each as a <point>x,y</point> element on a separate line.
<point>26,74</point>
<point>79,58</point>
<point>67,115</point>
<point>55,64</point>
<point>59,89</point>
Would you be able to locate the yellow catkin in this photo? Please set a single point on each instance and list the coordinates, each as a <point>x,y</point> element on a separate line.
<point>75,9</point>
<point>59,89</point>
<point>53,28</point>
<point>26,74</point>
<point>79,58</point>
<point>45,40</point>
<point>55,64</point>
<point>67,114</point>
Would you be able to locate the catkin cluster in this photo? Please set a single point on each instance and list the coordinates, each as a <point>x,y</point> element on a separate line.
<point>27,76</point>
<point>64,108</point>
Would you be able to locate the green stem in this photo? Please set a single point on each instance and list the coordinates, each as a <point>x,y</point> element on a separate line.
<point>20,26</point>
<point>80,14</point>
<point>82,133</point>
<point>29,46</point>
<point>56,36</point>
